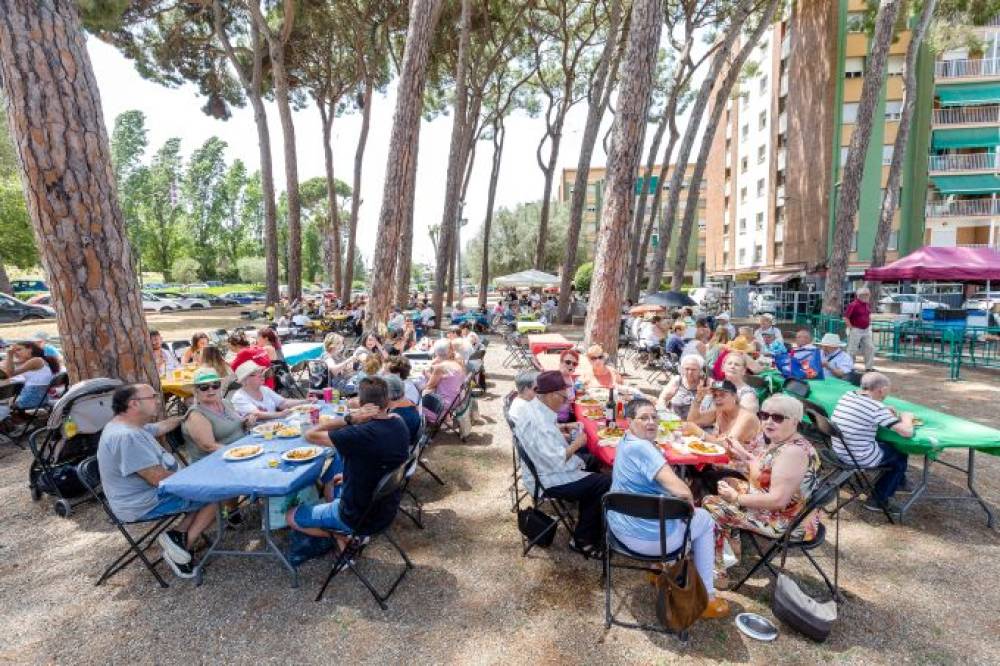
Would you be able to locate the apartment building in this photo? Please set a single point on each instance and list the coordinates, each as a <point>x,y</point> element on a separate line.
<point>778,155</point>
<point>963,207</point>
<point>592,213</point>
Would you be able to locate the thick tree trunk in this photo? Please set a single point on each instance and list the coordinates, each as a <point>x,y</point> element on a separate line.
<point>331,239</point>
<point>850,189</point>
<point>54,113</point>
<point>600,95</point>
<point>721,96</point>
<point>608,285</point>
<point>456,162</point>
<point>400,172</point>
<point>639,219</point>
<point>359,156</point>
<point>891,199</point>
<point>499,134</point>
<point>405,259</point>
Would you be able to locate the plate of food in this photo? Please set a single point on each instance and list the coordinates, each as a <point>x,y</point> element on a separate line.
<point>300,409</point>
<point>703,448</point>
<point>245,452</point>
<point>301,454</point>
<point>587,401</point>
<point>613,432</point>
<point>593,412</point>
<point>285,431</point>
<point>264,428</point>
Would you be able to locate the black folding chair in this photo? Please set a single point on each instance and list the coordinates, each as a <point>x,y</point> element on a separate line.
<point>646,507</point>
<point>89,475</point>
<point>416,512</point>
<point>9,393</point>
<point>516,492</point>
<point>539,499</point>
<point>389,485</point>
<point>825,493</point>
<point>175,443</point>
<point>284,381</point>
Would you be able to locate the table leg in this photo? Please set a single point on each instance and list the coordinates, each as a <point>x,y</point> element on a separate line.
<point>266,527</point>
<point>970,480</point>
<point>219,530</point>
<point>918,491</point>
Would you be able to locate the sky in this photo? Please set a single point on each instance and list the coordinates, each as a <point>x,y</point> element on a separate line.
<point>176,112</point>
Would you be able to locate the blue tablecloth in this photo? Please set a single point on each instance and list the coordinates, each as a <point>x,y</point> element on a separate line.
<point>213,479</point>
<point>296,352</point>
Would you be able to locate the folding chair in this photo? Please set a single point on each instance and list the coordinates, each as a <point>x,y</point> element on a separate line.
<point>515,489</point>
<point>540,499</point>
<point>89,475</point>
<point>857,481</point>
<point>23,419</point>
<point>647,507</point>
<point>413,464</point>
<point>175,443</point>
<point>823,495</point>
<point>9,393</point>
<point>390,484</point>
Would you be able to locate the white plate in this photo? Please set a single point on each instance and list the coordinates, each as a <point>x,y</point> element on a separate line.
<point>264,427</point>
<point>756,626</point>
<point>317,451</point>
<point>227,455</point>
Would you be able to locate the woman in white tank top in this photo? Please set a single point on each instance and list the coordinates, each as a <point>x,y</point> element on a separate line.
<point>27,364</point>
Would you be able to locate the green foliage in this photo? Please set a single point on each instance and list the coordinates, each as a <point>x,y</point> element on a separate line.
<point>205,196</point>
<point>186,269</point>
<point>584,274</point>
<point>17,242</point>
<point>8,158</point>
<point>312,261</point>
<point>251,269</point>
<point>159,210</point>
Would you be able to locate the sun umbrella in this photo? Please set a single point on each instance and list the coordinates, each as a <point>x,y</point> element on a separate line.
<point>643,309</point>
<point>668,299</point>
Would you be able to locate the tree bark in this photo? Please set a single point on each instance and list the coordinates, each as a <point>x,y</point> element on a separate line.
<point>608,285</point>
<point>549,170</point>
<point>499,134</point>
<point>400,173</point>
<point>638,221</point>
<point>721,96</point>
<point>331,239</point>
<point>294,220</point>
<point>405,259</point>
<point>54,112</point>
<point>600,95</point>
<point>5,280</point>
<point>891,199</point>
<point>850,189</point>
<point>359,156</point>
<point>456,162</point>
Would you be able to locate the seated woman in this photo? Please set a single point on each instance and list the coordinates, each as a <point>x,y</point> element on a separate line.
<point>601,374</point>
<point>244,351</point>
<point>446,378</point>
<point>676,341</point>
<point>269,341</point>
<point>338,364</point>
<point>373,345</point>
<point>400,366</point>
<point>717,344</point>
<point>783,470</point>
<point>680,391</point>
<point>211,357</point>
<point>728,419</point>
<point>255,398</point>
<point>212,422</point>
<point>640,468</point>
<point>734,370</point>
<point>27,364</point>
<point>569,360</point>
<point>193,353</point>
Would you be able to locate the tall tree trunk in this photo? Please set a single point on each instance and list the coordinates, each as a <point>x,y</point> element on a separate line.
<point>647,233</point>
<point>891,199</point>
<point>721,96</point>
<point>331,240</point>
<point>456,162</point>
<point>359,156</point>
<point>549,169</point>
<point>281,97</point>
<point>608,285</point>
<point>639,219</point>
<point>850,189</point>
<point>405,259</point>
<point>5,280</point>
<point>400,172</point>
<point>54,112</point>
<point>499,134</point>
<point>600,94</point>
<point>687,145</point>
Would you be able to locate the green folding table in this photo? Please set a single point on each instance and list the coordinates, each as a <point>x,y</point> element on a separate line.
<point>938,432</point>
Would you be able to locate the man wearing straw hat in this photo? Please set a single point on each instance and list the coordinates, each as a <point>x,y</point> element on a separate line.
<point>835,360</point>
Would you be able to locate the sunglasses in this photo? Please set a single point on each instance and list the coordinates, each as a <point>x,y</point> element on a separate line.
<point>569,363</point>
<point>777,418</point>
<point>214,386</point>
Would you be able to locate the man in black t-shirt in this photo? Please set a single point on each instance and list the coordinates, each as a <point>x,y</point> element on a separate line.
<point>370,443</point>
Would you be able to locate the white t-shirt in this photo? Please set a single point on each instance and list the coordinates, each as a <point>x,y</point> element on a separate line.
<point>246,404</point>
<point>427,314</point>
<point>300,320</point>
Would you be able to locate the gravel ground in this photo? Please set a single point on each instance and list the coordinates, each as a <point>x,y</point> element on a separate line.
<point>472,598</point>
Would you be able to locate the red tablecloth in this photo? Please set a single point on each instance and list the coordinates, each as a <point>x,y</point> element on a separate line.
<point>548,342</point>
<point>606,454</point>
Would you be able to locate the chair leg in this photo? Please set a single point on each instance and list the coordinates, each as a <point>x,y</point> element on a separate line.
<point>423,466</point>
<point>763,561</point>
<point>829,585</point>
<point>137,549</point>
<point>338,565</point>
<point>607,586</point>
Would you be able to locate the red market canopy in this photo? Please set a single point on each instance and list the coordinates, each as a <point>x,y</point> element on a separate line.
<point>968,264</point>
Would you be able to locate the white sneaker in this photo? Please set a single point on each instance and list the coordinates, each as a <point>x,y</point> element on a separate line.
<point>173,550</point>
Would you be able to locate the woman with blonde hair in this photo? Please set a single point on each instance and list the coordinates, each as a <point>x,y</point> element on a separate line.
<point>211,357</point>
<point>600,373</point>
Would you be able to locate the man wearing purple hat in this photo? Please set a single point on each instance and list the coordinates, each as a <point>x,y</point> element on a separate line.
<point>560,470</point>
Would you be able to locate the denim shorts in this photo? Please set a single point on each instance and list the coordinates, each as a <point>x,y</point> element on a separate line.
<point>170,505</point>
<point>323,516</point>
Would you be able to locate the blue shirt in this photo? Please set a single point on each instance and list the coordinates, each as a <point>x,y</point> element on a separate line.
<point>637,462</point>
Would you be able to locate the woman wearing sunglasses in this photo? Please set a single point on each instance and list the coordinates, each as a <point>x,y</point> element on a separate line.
<point>600,373</point>
<point>569,360</point>
<point>732,425</point>
<point>212,422</point>
<point>782,472</point>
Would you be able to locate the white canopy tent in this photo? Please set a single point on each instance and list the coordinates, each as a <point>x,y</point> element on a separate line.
<point>527,280</point>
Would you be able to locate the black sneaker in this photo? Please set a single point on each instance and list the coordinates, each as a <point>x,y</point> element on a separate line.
<point>174,546</point>
<point>587,550</point>
<point>181,570</point>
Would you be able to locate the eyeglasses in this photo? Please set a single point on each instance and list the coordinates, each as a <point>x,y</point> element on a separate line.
<point>777,418</point>
<point>214,386</point>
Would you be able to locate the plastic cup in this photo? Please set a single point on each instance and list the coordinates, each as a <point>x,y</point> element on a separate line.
<point>327,394</point>
<point>268,434</point>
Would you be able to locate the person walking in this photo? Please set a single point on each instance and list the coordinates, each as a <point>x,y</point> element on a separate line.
<point>858,319</point>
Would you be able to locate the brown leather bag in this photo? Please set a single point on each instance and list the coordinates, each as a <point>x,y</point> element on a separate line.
<point>681,597</point>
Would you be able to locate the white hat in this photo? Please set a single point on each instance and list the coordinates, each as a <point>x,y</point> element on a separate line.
<point>247,368</point>
<point>723,315</point>
<point>831,340</point>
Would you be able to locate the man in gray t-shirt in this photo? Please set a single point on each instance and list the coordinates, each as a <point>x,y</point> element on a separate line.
<point>132,464</point>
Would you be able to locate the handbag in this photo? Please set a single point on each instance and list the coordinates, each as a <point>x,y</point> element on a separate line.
<point>537,526</point>
<point>681,597</point>
<point>797,609</point>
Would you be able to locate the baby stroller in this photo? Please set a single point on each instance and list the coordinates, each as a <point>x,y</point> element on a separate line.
<point>53,472</point>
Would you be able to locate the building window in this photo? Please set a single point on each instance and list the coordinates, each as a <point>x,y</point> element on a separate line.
<point>760,187</point>
<point>893,241</point>
<point>854,68</point>
<point>758,254</point>
<point>893,109</point>
<point>742,256</point>
<point>725,258</point>
<point>743,165</point>
<point>779,252</point>
<point>762,120</point>
<point>854,242</point>
<point>763,84</point>
<point>725,225</point>
<point>855,22</point>
<point>759,223</point>
<point>849,113</point>
<point>761,154</point>
<point>743,225</point>
<point>887,155</point>
<point>743,195</point>
<point>895,65</point>
<point>744,132</point>
<point>843,155</point>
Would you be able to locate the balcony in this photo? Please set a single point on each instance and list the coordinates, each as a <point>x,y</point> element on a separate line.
<point>963,208</point>
<point>967,68</point>
<point>988,114</point>
<point>964,162</point>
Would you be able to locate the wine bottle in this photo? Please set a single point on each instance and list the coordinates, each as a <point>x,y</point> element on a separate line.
<point>609,409</point>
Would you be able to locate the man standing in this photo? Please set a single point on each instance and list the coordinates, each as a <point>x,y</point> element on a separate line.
<point>858,317</point>
<point>560,470</point>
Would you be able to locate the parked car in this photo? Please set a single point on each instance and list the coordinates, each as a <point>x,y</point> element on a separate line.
<point>186,302</point>
<point>909,304</point>
<point>196,285</point>
<point>154,303</point>
<point>12,309</point>
<point>20,286</point>
<point>982,300</point>
<point>215,283</point>
<point>40,299</point>
<point>242,297</point>
<point>765,302</point>
<point>219,301</point>
<point>154,286</point>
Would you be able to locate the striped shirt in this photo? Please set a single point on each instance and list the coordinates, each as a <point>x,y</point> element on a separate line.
<point>545,445</point>
<point>859,417</point>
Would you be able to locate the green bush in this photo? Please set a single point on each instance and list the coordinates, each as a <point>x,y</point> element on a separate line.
<point>185,269</point>
<point>584,274</point>
<point>251,269</point>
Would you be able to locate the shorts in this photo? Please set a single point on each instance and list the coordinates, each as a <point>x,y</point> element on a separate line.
<point>169,506</point>
<point>323,516</point>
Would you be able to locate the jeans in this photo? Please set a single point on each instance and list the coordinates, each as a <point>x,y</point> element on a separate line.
<point>891,479</point>
<point>587,493</point>
<point>702,545</point>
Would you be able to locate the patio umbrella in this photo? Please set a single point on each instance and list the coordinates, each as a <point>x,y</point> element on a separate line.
<point>668,299</point>
<point>643,309</point>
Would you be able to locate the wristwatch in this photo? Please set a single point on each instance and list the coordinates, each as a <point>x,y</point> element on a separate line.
<point>347,418</point>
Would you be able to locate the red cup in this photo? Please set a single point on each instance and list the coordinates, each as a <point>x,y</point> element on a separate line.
<point>314,415</point>
<point>327,394</point>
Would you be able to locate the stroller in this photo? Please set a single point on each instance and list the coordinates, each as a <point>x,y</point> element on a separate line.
<point>53,471</point>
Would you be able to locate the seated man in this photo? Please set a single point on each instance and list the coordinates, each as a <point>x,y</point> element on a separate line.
<point>370,442</point>
<point>133,464</point>
<point>803,339</point>
<point>402,406</point>
<point>560,470</point>
<point>300,319</point>
<point>859,414</point>
<point>524,383</point>
<point>767,324</point>
<point>771,345</point>
<point>162,355</point>
<point>835,360</point>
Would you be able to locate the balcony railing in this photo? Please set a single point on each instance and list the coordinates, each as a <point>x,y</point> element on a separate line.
<point>964,162</point>
<point>955,69</point>
<point>964,208</point>
<point>968,115</point>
